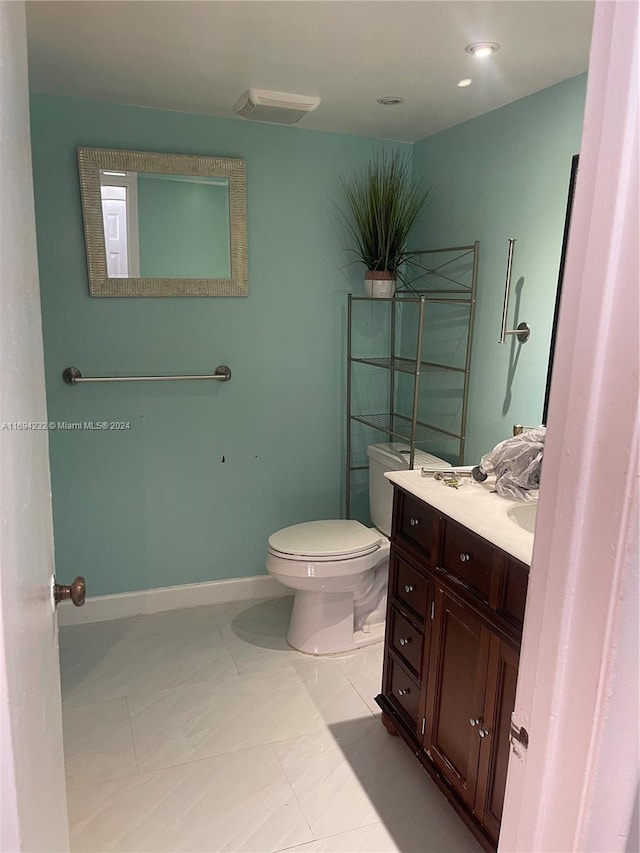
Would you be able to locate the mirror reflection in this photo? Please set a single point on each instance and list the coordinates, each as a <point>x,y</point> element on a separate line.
<point>163,224</point>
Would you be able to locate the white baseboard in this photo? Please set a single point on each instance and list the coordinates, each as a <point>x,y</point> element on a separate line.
<point>145,601</point>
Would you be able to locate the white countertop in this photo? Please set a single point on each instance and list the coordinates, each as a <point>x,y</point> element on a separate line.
<point>474,505</point>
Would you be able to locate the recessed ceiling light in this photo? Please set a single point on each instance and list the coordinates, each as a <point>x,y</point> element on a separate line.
<point>390,100</point>
<point>482,48</point>
<point>464,83</point>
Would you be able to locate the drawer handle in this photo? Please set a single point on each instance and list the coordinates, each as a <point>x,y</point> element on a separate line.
<point>408,587</point>
<point>404,642</point>
<point>404,690</point>
<point>483,732</point>
<point>464,558</point>
<point>475,721</point>
<point>414,522</point>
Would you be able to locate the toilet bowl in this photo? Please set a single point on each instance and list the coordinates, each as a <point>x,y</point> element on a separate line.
<point>338,569</point>
<point>332,566</point>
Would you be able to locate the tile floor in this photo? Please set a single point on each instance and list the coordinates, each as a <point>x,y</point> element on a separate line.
<point>201,730</point>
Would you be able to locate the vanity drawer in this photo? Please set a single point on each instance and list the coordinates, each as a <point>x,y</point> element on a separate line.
<point>471,560</point>
<point>513,596</point>
<point>418,524</point>
<point>410,587</point>
<point>403,691</point>
<point>406,641</point>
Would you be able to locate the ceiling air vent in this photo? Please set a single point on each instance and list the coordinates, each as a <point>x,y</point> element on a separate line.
<point>278,107</point>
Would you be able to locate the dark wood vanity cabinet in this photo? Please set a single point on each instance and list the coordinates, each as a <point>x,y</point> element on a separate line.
<point>454,621</point>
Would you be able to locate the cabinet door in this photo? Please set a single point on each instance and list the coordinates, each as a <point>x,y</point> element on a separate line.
<point>500,698</point>
<point>455,694</point>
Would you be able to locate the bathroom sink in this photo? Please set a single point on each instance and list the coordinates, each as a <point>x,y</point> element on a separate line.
<point>524,516</point>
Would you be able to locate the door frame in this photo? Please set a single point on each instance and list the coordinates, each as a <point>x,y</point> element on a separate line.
<point>33,806</point>
<point>577,686</point>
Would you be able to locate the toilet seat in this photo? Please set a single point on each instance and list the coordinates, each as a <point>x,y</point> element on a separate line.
<point>324,541</point>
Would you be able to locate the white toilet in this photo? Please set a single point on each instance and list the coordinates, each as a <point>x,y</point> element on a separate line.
<point>339,569</point>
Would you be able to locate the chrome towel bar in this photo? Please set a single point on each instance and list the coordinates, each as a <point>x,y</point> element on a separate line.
<point>523,331</point>
<point>72,376</point>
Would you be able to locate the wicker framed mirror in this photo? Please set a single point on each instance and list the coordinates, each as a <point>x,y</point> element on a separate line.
<point>163,224</point>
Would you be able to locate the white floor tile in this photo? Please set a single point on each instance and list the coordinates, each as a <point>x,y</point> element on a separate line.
<point>368,839</point>
<point>98,745</point>
<point>91,672</point>
<point>265,609</point>
<point>195,721</point>
<point>447,835</point>
<point>214,614</point>
<point>202,730</point>
<point>332,693</point>
<point>238,802</point>
<point>353,776</point>
<point>364,671</point>
<point>92,633</point>
<point>187,619</point>
<point>415,833</point>
<point>257,641</point>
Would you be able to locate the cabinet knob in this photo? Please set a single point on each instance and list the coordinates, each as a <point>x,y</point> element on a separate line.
<point>408,587</point>
<point>404,642</point>
<point>403,691</point>
<point>474,721</point>
<point>414,522</point>
<point>464,558</point>
<point>483,732</point>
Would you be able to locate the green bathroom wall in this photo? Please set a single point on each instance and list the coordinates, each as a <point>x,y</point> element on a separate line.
<point>202,473</point>
<point>505,174</point>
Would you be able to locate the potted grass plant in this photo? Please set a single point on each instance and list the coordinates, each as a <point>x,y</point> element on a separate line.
<point>378,206</point>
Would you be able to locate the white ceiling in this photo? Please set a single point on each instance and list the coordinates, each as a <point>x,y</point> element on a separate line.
<point>199,57</point>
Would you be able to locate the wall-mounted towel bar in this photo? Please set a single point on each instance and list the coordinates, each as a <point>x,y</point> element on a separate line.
<point>523,331</point>
<point>72,376</point>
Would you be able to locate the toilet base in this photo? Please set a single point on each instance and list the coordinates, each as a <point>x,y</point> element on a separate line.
<point>322,624</point>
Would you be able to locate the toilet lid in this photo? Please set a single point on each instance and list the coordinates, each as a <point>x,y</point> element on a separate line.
<point>325,539</point>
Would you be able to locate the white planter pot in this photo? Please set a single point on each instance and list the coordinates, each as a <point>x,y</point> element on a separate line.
<point>379,284</point>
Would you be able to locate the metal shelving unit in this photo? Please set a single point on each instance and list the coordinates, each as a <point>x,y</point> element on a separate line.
<point>444,277</point>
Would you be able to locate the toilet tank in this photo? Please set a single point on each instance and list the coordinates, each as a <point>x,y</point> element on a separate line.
<point>391,456</point>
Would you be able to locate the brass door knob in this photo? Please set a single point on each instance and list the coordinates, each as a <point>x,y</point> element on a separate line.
<point>76,591</point>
